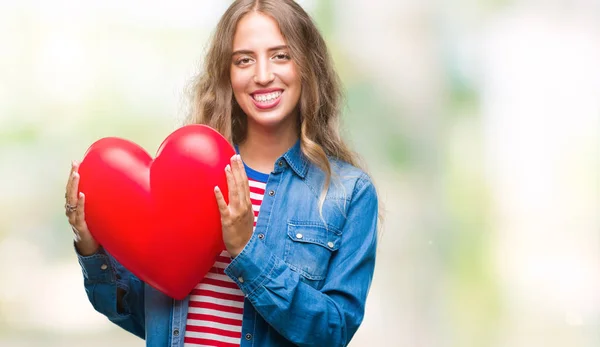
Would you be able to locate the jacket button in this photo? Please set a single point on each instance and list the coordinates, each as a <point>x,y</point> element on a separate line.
<point>330,244</point>
<point>248,336</point>
<point>271,192</point>
<point>298,236</point>
<point>280,163</point>
<point>261,236</point>
<point>176,332</point>
<point>241,279</point>
<point>103,266</point>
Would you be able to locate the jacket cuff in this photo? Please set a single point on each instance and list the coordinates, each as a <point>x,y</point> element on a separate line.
<point>96,268</point>
<point>252,267</point>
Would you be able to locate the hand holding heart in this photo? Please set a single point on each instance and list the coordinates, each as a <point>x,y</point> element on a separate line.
<point>84,241</point>
<point>237,218</point>
<point>164,219</point>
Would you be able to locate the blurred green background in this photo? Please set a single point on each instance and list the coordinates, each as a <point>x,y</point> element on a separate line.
<point>479,121</point>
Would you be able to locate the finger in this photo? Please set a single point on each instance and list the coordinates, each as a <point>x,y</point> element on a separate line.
<point>71,196</point>
<point>221,202</point>
<point>72,191</point>
<point>74,164</point>
<point>80,212</point>
<point>72,216</point>
<point>238,173</point>
<point>231,186</point>
<point>245,186</point>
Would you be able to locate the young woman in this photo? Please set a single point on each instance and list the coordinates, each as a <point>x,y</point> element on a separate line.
<point>298,272</point>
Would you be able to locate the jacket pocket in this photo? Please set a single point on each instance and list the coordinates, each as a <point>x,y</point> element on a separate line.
<point>309,247</point>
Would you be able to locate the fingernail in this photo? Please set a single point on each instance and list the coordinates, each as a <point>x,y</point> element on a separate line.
<point>217,188</point>
<point>239,158</point>
<point>227,168</point>
<point>74,175</point>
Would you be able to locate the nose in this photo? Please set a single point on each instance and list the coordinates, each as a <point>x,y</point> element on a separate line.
<point>263,74</point>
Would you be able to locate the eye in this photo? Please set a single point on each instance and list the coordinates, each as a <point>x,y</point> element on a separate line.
<point>282,56</point>
<point>243,61</point>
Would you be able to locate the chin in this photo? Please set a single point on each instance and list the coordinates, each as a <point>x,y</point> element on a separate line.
<point>267,120</point>
<point>272,119</point>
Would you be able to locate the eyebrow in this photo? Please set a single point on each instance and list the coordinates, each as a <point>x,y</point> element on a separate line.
<point>246,51</point>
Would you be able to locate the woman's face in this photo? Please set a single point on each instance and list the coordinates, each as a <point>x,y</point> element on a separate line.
<point>265,80</point>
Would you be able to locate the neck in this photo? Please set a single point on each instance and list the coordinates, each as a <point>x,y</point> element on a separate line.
<point>262,147</point>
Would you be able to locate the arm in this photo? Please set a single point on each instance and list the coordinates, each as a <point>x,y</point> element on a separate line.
<point>331,316</point>
<point>114,291</point>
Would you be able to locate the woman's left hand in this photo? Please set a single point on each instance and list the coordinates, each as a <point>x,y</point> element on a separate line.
<point>237,218</point>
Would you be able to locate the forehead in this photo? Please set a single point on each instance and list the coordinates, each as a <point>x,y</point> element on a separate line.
<point>256,31</point>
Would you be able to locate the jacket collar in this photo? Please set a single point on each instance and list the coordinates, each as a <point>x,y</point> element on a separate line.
<point>294,157</point>
<point>297,160</point>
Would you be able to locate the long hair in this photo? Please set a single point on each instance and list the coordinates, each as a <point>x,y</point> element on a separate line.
<point>319,107</point>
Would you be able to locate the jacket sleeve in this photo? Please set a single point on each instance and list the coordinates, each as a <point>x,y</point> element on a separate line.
<point>114,291</point>
<point>302,314</point>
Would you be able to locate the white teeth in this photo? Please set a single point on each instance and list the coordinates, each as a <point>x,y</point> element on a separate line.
<point>267,97</point>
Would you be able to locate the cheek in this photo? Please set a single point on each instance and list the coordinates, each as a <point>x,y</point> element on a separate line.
<point>292,76</point>
<point>287,74</point>
<point>237,82</point>
<point>294,81</point>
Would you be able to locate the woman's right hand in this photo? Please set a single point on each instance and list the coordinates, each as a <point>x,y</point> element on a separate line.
<point>74,209</point>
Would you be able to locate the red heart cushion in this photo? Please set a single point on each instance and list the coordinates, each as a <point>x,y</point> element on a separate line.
<point>159,218</point>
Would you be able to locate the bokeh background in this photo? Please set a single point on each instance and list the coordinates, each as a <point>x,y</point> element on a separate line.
<point>479,121</point>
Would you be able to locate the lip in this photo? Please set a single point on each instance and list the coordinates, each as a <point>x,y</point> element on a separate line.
<point>265,91</point>
<point>263,105</point>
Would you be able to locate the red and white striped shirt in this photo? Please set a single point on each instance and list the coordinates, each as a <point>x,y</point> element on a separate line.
<point>217,304</point>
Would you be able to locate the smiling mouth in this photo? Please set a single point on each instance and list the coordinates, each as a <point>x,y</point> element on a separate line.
<point>267,97</point>
<point>267,101</point>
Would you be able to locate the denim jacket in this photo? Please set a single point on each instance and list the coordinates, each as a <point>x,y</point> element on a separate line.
<point>305,273</point>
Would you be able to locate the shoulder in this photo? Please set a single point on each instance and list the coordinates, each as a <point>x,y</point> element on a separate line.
<point>349,172</point>
<point>354,177</point>
<point>346,180</point>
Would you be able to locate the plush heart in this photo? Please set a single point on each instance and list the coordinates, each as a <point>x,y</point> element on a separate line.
<point>158,217</point>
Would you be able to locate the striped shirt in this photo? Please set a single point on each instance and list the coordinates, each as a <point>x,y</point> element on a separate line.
<point>217,304</point>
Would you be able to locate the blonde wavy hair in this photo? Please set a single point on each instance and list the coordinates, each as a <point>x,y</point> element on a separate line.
<point>319,107</point>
